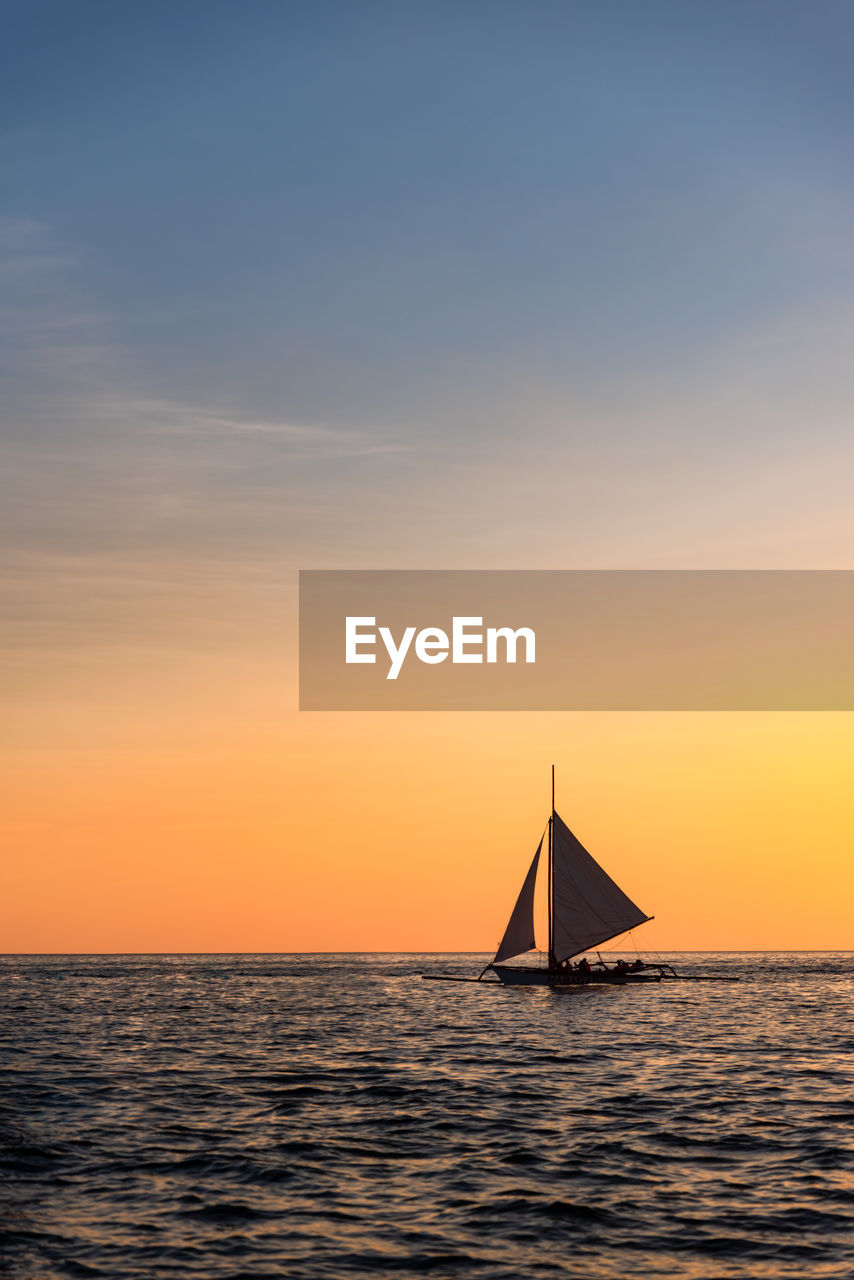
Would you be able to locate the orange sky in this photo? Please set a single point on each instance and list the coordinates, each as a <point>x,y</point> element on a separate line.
<point>566,297</point>
<point>185,805</point>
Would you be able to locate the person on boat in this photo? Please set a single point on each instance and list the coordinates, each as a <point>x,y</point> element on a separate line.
<point>638,964</point>
<point>622,966</point>
<point>584,965</point>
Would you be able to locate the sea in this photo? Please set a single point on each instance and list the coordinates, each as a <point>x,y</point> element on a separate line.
<point>242,1117</point>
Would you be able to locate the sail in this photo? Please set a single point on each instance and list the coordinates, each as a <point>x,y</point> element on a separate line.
<point>519,934</point>
<point>589,908</point>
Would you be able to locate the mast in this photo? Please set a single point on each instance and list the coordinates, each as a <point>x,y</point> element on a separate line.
<point>552,959</point>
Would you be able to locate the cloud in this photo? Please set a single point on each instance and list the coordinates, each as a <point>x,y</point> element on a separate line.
<point>50,331</point>
<point>126,514</point>
<point>173,419</point>
<point>127,510</point>
<point>93,462</point>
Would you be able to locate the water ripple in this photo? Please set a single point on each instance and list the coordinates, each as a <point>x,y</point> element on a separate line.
<point>219,1118</point>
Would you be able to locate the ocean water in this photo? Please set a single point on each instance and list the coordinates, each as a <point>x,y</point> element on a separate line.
<point>335,1116</point>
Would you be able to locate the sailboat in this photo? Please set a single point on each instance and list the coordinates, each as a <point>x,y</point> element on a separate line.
<point>586,908</point>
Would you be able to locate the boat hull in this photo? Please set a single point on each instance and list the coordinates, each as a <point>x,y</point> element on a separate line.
<point>521,976</point>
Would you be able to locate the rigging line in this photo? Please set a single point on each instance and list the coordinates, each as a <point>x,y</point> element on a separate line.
<point>626,934</point>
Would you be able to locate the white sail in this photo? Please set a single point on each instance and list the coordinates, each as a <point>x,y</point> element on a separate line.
<point>519,934</point>
<point>589,908</point>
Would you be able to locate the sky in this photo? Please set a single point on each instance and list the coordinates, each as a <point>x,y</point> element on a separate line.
<point>374,285</point>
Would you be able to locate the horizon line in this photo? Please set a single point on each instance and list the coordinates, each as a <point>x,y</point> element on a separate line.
<point>716,951</point>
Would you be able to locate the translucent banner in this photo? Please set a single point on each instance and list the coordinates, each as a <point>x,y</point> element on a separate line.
<point>608,640</point>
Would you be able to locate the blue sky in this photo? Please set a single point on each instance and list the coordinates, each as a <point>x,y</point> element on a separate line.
<point>542,284</point>
<point>573,191</point>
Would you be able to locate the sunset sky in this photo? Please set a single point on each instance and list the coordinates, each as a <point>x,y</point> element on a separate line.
<point>376,285</point>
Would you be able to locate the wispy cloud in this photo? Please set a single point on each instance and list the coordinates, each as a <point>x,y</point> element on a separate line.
<point>50,330</point>
<point>114,491</point>
<point>124,513</point>
<point>175,419</point>
<point>89,454</point>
